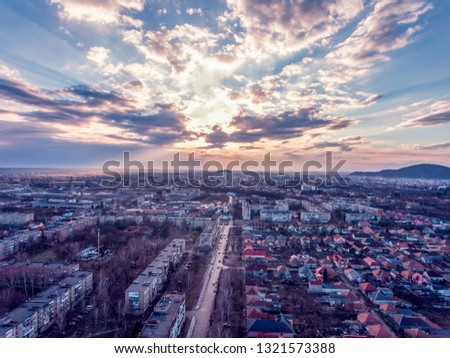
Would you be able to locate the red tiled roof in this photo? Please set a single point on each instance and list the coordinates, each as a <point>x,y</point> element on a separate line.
<point>388,308</point>
<point>367,287</point>
<point>257,313</point>
<point>379,331</point>
<point>367,318</point>
<point>418,333</point>
<point>251,290</point>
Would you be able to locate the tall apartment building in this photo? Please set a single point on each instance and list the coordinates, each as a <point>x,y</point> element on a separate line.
<point>275,215</point>
<point>146,286</point>
<point>246,211</point>
<point>36,315</point>
<point>314,213</point>
<point>13,244</point>
<point>207,236</point>
<point>315,216</point>
<point>355,217</point>
<point>167,319</point>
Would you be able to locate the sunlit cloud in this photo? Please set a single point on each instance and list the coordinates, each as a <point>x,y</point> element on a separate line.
<point>436,113</point>
<point>237,79</point>
<point>287,26</point>
<point>100,11</point>
<point>192,11</point>
<point>438,146</point>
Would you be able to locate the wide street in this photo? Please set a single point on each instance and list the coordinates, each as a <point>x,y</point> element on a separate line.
<point>202,311</point>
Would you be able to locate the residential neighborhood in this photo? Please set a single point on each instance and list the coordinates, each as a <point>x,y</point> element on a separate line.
<point>368,260</point>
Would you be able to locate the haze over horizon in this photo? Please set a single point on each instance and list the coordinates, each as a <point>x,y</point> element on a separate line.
<point>82,81</point>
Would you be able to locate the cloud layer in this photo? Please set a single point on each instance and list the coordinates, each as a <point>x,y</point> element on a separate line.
<point>242,75</point>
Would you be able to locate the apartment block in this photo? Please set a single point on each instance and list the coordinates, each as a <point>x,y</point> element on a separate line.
<point>149,283</point>
<point>246,211</point>
<point>15,218</point>
<point>167,319</point>
<point>36,315</point>
<point>207,236</point>
<point>317,216</point>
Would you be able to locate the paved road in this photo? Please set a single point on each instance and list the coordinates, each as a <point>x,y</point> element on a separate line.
<point>204,308</point>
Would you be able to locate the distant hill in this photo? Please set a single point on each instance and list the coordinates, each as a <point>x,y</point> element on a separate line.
<point>419,171</point>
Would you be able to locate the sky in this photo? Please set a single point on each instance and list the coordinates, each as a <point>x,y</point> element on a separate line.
<point>82,81</point>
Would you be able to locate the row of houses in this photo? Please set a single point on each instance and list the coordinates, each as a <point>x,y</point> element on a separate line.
<point>47,308</point>
<point>399,316</point>
<point>264,313</point>
<point>263,305</point>
<point>145,287</point>
<point>360,254</point>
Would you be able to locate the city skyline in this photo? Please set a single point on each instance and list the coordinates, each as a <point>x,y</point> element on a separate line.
<point>83,81</point>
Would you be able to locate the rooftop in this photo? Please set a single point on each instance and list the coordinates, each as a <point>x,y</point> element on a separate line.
<point>165,313</point>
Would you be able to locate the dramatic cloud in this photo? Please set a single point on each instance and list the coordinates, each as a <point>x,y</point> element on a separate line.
<point>17,92</point>
<point>343,144</point>
<point>390,26</point>
<point>180,47</point>
<point>430,120</point>
<point>99,55</point>
<point>287,125</point>
<point>433,114</point>
<point>85,114</point>
<point>287,26</point>
<point>100,11</point>
<point>7,72</point>
<point>242,75</point>
<point>438,146</point>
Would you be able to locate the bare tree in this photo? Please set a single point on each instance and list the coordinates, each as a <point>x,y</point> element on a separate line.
<point>95,311</point>
<point>103,285</point>
<point>24,279</point>
<point>135,249</point>
<point>105,311</point>
<point>215,331</point>
<point>189,281</point>
<point>11,277</point>
<point>95,314</point>
<point>33,278</point>
<point>60,319</point>
<point>120,310</point>
<point>73,250</point>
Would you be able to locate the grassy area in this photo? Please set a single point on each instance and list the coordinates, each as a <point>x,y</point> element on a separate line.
<point>45,256</point>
